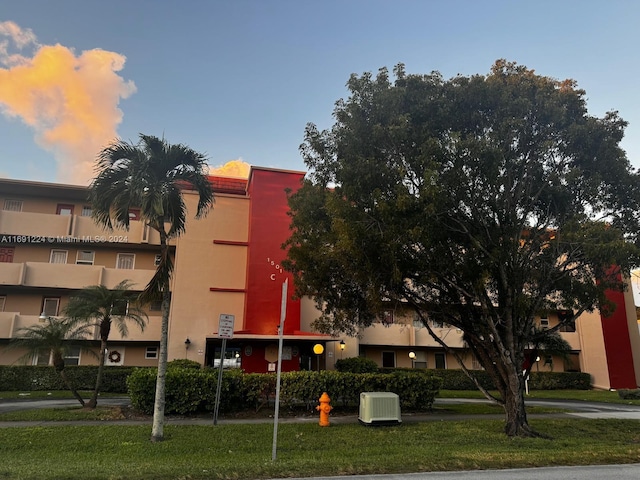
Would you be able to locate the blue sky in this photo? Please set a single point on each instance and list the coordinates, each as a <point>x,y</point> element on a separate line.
<point>240,79</point>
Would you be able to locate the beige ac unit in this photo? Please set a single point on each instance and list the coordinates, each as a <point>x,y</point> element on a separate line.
<point>379,408</point>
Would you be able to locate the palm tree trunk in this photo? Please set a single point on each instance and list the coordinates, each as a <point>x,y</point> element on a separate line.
<point>58,364</point>
<point>157,429</point>
<point>96,390</point>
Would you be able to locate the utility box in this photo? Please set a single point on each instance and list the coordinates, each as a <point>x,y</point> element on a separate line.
<point>379,408</point>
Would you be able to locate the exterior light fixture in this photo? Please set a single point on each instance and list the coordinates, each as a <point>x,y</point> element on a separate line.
<point>42,317</point>
<point>342,345</point>
<point>318,349</point>
<point>412,356</point>
<point>187,343</point>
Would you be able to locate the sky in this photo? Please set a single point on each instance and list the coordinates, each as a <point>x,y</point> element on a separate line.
<point>238,80</point>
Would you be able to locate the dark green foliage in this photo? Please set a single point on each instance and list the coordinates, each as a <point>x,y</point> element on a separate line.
<point>629,394</point>
<point>28,378</point>
<point>356,365</point>
<point>457,380</point>
<point>190,391</point>
<point>184,363</point>
<point>476,201</point>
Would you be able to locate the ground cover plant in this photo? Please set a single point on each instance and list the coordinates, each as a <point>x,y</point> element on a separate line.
<point>243,451</point>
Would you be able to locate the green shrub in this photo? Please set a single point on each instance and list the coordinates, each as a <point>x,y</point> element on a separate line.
<point>37,377</point>
<point>184,363</point>
<point>629,394</point>
<point>357,365</point>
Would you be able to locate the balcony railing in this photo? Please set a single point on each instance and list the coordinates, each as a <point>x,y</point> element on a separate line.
<point>50,228</point>
<point>56,275</point>
<point>12,322</point>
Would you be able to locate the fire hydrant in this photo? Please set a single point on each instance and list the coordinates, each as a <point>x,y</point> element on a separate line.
<point>324,408</point>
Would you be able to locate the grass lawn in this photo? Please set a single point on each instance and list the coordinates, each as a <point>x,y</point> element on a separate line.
<point>241,451</point>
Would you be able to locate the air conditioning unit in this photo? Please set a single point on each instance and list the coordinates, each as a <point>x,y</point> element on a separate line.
<point>379,408</point>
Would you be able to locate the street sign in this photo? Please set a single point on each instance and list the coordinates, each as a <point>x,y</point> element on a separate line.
<point>225,326</point>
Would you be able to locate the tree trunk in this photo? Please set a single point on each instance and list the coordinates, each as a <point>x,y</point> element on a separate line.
<point>96,390</point>
<point>516,423</point>
<point>157,429</point>
<point>58,364</point>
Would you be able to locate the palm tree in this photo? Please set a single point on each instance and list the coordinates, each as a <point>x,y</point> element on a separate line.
<point>57,336</point>
<point>98,306</point>
<point>150,176</point>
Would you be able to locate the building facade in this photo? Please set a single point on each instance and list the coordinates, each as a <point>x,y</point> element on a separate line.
<point>228,265</point>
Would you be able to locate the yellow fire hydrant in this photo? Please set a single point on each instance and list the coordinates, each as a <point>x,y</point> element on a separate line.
<point>324,408</point>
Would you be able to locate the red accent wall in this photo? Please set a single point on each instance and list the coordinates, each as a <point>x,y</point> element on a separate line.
<point>268,230</point>
<point>617,344</point>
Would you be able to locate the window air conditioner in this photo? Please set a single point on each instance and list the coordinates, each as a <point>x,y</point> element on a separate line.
<point>379,408</point>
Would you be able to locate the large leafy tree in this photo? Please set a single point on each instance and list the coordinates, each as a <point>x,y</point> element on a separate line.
<point>57,337</point>
<point>479,201</point>
<point>101,307</point>
<point>150,176</point>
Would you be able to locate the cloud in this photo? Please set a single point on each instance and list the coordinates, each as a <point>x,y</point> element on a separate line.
<point>70,101</point>
<point>234,168</point>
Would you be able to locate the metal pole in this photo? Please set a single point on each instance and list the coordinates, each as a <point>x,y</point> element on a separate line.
<point>223,349</point>
<point>283,314</point>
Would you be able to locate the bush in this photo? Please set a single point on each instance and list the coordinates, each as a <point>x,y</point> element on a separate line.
<point>357,365</point>
<point>184,363</point>
<point>32,377</point>
<point>629,394</point>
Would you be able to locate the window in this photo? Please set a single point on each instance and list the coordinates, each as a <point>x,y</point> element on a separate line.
<point>438,324</point>
<point>156,260</point>
<point>120,308</point>
<point>3,300</point>
<point>568,327</point>
<point>86,211</point>
<point>73,356</point>
<point>151,353</point>
<point>544,322</point>
<point>13,205</point>
<point>42,357</point>
<point>387,317</point>
<point>85,257</point>
<point>6,254</point>
<point>475,364</point>
<point>134,214</point>
<point>64,209</point>
<point>388,359</point>
<point>125,261</point>
<point>440,361</point>
<point>50,306</point>
<point>155,306</point>
<point>58,256</point>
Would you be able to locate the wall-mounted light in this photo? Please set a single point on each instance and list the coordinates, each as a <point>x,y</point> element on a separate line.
<point>342,345</point>
<point>187,343</point>
<point>42,317</point>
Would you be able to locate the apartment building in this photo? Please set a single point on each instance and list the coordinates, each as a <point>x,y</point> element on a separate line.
<point>227,268</point>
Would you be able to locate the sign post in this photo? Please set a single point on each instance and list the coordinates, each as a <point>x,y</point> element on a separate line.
<point>225,331</point>
<point>283,314</point>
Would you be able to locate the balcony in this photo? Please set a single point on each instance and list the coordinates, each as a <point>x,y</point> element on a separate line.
<point>151,332</point>
<point>12,322</point>
<point>56,275</point>
<point>451,336</point>
<point>49,228</point>
<point>7,322</point>
<point>394,334</point>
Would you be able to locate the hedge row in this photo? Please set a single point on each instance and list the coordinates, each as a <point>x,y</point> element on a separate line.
<point>457,380</point>
<point>30,378</point>
<point>191,391</point>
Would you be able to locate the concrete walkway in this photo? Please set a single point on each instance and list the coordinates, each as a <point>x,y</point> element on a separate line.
<point>575,409</point>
